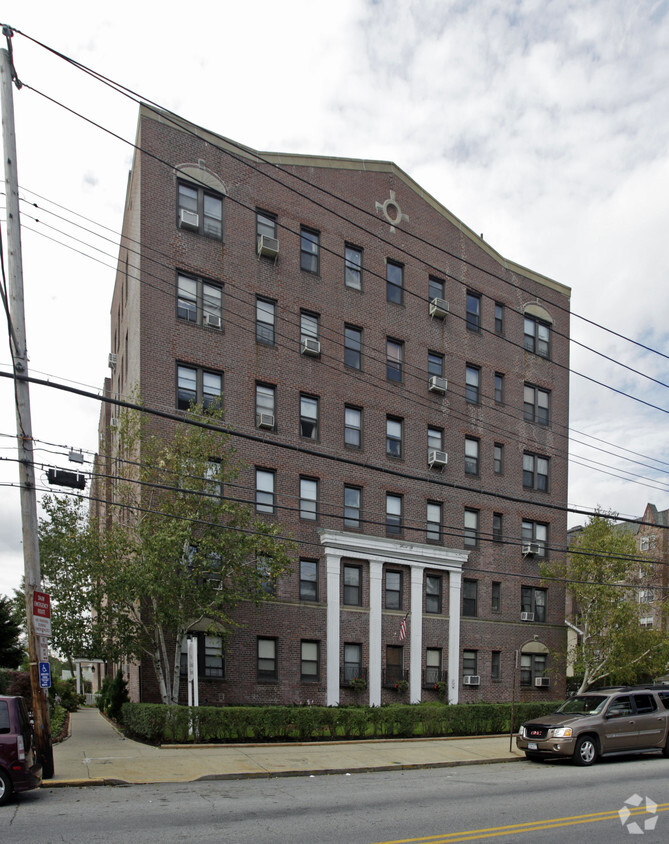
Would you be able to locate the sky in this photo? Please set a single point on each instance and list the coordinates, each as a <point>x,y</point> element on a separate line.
<point>542,125</point>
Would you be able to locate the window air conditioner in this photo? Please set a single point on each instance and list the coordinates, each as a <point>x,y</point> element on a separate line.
<point>111,360</point>
<point>471,680</point>
<point>530,549</point>
<point>310,346</point>
<point>265,420</point>
<point>542,681</point>
<point>438,384</point>
<point>439,308</point>
<point>645,543</point>
<point>212,320</point>
<point>436,458</point>
<point>188,220</point>
<point>527,616</point>
<point>268,246</point>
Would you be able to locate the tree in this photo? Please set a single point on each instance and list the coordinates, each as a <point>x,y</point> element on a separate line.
<point>181,551</point>
<point>11,652</point>
<point>69,552</point>
<point>604,574</point>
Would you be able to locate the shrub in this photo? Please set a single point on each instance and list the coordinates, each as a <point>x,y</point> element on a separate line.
<point>158,723</point>
<point>113,695</point>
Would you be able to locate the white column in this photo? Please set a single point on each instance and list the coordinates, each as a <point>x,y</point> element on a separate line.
<point>454,589</point>
<point>416,633</point>
<point>333,566</point>
<point>375,593</point>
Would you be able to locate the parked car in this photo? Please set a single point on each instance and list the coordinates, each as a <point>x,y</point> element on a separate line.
<point>19,768</point>
<point>625,719</point>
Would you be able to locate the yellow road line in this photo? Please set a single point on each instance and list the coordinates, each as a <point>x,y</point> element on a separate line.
<point>528,826</point>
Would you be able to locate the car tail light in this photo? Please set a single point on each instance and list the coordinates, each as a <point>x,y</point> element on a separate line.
<point>21,748</point>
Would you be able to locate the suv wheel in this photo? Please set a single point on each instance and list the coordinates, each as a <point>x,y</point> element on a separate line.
<point>585,752</point>
<point>665,749</point>
<point>5,788</point>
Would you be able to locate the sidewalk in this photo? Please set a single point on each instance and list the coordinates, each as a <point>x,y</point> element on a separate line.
<point>97,754</point>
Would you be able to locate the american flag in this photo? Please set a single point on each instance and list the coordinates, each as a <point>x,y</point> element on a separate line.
<point>403,628</point>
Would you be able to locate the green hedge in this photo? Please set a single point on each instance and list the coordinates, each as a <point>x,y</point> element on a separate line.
<point>158,723</point>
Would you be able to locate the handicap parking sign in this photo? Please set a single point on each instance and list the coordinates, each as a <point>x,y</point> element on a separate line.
<point>44,675</point>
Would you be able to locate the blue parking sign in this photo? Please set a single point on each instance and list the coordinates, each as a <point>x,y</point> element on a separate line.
<point>44,675</point>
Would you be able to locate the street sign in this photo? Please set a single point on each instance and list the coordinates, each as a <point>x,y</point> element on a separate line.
<point>42,649</point>
<point>42,614</point>
<point>44,675</point>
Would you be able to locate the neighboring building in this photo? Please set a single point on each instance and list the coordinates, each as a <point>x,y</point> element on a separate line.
<point>653,541</point>
<point>405,389</point>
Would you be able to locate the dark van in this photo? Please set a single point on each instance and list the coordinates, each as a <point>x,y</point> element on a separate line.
<point>19,768</point>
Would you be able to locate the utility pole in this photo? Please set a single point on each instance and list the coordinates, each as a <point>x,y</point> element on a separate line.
<point>23,421</point>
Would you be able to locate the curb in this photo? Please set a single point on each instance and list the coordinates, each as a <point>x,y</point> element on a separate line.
<point>318,772</point>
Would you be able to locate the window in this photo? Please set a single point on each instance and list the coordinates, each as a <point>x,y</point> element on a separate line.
<point>352,506</point>
<point>473,311</point>
<point>499,318</point>
<point>309,251</point>
<point>352,427</point>
<point>352,347</point>
<point>393,590</point>
<point>433,666</point>
<point>533,666</point>
<point>198,386</point>
<point>432,593</point>
<point>393,437</point>
<point>393,513</point>
<point>496,596</point>
<point>308,499</point>
<point>267,664</point>
<point>533,600</point>
<point>266,581</point>
<point>265,406</point>
<point>497,527</point>
<point>394,282</point>
<point>212,476</point>
<point>469,663</point>
<point>394,664</point>
<point>309,417</point>
<point>265,320</point>
<point>309,326</point>
<point>473,384</point>
<point>433,529</point>
<point>536,535</point>
<point>394,360</point>
<point>536,405</point>
<point>264,491</point>
<point>537,337</point>
<point>352,661</point>
<point>210,657</point>
<point>471,528</point>
<point>435,439</point>
<point>496,665</point>
<point>353,267</point>
<point>265,225</point>
<point>200,211</point>
<point>353,586</point>
<point>499,388</point>
<point>308,580</point>
<point>498,458</point>
<point>309,660</point>
<point>435,364</point>
<point>435,288</point>
<point>199,301</point>
<point>535,472</point>
<point>470,597</point>
<point>471,456</point>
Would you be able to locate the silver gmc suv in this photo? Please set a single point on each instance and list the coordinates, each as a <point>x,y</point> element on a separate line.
<point>625,719</point>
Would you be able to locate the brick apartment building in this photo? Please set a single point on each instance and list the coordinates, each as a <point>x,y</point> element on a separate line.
<point>421,382</point>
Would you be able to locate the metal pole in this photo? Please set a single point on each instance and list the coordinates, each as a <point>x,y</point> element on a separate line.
<point>23,421</point>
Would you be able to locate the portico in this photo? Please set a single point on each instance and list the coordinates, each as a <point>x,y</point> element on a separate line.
<point>377,551</point>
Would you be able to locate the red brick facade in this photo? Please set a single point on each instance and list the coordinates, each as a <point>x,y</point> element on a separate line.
<point>379,210</point>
